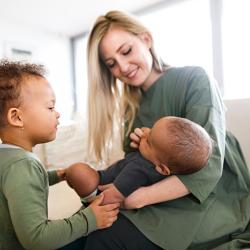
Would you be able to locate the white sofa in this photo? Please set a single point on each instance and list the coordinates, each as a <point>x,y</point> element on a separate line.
<point>63,201</point>
<point>238,122</point>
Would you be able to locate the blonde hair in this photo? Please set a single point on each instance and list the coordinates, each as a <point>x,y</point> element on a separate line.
<point>108,104</point>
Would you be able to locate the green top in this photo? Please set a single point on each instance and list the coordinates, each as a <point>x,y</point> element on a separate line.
<point>214,209</point>
<point>24,223</point>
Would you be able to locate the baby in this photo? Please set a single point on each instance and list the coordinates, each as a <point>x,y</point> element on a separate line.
<point>174,145</point>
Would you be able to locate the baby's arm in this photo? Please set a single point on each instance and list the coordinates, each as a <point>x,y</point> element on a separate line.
<point>84,180</point>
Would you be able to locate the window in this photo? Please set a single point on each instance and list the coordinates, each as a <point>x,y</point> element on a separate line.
<point>236,48</point>
<point>182,33</point>
<point>81,77</point>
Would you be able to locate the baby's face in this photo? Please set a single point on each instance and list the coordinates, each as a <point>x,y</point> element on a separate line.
<point>154,142</point>
<point>146,146</point>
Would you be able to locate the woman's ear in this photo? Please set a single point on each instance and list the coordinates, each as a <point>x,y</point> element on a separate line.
<point>147,39</point>
<point>14,117</point>
<point>162,169</point>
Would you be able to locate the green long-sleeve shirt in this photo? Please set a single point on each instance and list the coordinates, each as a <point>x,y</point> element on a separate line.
<point>219,204</point>
<point>24,223</point>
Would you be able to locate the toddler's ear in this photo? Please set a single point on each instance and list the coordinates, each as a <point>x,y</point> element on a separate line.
<point>162,169</point>
<point>14,117</point>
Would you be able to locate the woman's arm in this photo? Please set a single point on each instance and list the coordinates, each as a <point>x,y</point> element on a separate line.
<point>168,189</point>
<point>197,99</point>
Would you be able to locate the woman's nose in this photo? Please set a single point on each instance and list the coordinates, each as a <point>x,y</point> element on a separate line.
<point>124,66</point>
<point>57,115</point>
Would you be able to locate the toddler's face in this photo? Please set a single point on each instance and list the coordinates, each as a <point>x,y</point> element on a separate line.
<point>38,111</point>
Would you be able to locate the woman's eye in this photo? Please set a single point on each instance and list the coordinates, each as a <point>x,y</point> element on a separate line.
<point>127,51</point>
<point>110,65</point>
<point>51,108</point>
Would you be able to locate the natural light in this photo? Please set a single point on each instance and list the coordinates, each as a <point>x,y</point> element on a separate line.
<point>182,33</point>
<point>236,48</point>
<point>183,36</point>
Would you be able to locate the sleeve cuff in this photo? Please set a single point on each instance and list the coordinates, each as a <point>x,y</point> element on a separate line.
<point>53,178</point>
<point>91,220</point>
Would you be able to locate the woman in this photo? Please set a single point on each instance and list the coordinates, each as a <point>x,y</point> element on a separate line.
<point>203,210</point>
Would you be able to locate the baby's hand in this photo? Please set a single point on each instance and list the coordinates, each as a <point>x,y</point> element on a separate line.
<point>136,138</point>
<point>105,214</point>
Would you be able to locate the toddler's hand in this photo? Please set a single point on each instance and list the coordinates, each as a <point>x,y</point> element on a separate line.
<point>105,214</point>
<point>136,137</point>
<point>104,187</point>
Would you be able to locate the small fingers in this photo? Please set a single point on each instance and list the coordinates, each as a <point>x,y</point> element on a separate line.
<point>134,145</point>
<point>103,187</point>
<point>134,137</point>
<point>111,207</point>
<point>138,132</point>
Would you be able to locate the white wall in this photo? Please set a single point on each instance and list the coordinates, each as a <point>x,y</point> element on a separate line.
<point>49,49</point>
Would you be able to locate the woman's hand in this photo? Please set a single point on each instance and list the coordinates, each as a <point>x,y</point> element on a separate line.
<point>136,138</point>
<point>105,215</point>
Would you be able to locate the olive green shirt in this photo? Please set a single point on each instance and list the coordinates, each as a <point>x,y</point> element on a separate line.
<point>219,204</point>
<point>24,223</point>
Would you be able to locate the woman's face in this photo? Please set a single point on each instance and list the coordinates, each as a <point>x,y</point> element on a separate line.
<point>128,57</point>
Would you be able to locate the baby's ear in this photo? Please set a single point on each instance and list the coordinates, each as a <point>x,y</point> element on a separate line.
<point>14,117</point>
<point>162,169</point>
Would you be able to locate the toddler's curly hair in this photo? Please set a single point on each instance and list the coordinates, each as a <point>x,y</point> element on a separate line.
<point>12,75</point>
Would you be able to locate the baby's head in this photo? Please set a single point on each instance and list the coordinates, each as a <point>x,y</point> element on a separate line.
<point>176,145</point>
<point>26,104</point>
